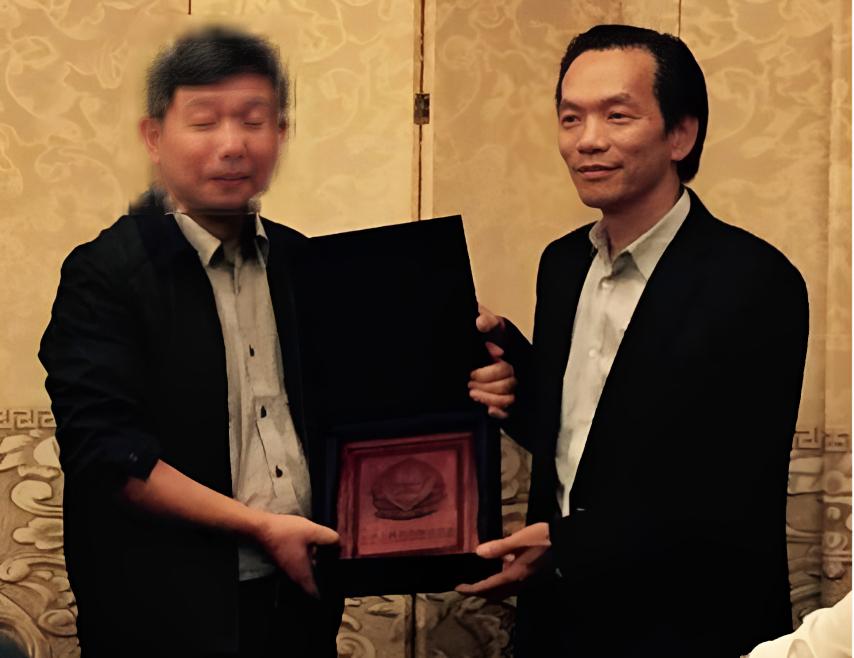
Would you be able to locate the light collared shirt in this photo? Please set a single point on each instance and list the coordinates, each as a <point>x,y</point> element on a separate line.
<point>611,291</point>
<point>824,633</point>
<point>268,468</point>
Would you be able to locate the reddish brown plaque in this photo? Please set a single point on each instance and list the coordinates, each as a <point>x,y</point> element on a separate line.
<point>408,496</point>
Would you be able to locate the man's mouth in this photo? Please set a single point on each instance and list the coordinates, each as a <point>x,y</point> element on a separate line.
<point>595,171</point>
<point>595,167</point>
<point>231,177</point>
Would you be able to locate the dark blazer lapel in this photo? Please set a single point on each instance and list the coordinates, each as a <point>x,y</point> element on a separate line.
<point>188,341</point>
<point>282,255</point>
<point>186,292</point>
<point>563,271</point>
<point>676,284</point>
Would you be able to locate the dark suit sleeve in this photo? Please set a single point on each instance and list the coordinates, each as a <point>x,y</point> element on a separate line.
<point>95,364</point>
<point>752,401</point>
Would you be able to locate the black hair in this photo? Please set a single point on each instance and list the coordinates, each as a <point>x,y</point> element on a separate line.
<point>679,85</point>
<point>208,56</point>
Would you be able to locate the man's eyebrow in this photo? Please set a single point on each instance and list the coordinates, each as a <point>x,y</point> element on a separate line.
<point>251,102</point>
<point>258,100</point>
<point>616,99</point>
<point>197,101</point>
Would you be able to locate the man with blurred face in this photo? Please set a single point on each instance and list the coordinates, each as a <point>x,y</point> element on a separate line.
<point>662,336</point>
<point>172,372</point>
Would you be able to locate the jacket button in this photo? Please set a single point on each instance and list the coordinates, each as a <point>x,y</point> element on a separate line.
<point>279,472</point>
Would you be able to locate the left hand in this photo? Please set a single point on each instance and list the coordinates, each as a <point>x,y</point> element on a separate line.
<point>522,552</point>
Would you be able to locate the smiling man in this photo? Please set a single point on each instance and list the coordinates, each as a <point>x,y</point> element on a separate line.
<point>660,394</point>
<point>172,372</point>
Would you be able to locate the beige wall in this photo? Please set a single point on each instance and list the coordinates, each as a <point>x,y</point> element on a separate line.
<point>70,158</point>
<point>777,162</point>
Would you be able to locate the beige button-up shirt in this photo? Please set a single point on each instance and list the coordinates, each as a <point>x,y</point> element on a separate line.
<point>268,468</point>
<point>611,291</point>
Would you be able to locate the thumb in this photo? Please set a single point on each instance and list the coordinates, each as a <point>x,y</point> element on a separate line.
<point>324,535</point>
<point>486,322</point>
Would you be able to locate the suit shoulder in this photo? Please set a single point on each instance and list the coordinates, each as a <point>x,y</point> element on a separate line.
<point>117,248</point>
<point>570,242</point>
<point>275,230</point>
<point>739,246</point>
<point>745,262</point>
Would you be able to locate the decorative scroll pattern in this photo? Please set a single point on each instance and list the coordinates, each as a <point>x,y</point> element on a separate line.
<point>37,609</point>
<point>449,624</point>
<point>818,523</point>
<point>375,627</point>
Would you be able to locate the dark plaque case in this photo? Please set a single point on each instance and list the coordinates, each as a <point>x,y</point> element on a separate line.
<point>404,465</point>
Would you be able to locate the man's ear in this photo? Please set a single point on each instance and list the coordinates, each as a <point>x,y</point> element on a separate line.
<point>151,129</point>
<point>682,137</point>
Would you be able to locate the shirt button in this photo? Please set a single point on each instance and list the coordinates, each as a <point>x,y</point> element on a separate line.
<point>251,351</point>
<point>133,458</point>
<point>279,472</point>
<point>593,353</point>
<point>263,412</point>
<point>607,284</point>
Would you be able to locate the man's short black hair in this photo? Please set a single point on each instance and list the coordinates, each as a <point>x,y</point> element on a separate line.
<point>208,56</point>
<point>679,85</point>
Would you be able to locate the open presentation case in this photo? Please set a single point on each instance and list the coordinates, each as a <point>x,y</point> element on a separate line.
<point>405,466</point>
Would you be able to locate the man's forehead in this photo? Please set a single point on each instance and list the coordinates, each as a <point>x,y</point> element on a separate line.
<point>619,74</point>
<point>245,86</point>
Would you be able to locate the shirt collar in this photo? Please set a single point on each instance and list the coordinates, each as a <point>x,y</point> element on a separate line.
<point>648,248</point>
<point>209,247</point>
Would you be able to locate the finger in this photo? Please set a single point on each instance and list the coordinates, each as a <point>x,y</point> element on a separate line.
<point>491,399</point>
<point>488,586</point>
<point>532,535</point>
<point>499,386</point>
<point>497,548</point>
<point>495,412</point>
<point>300,572</point>
<point>486,323</point>
<point>486,320</point>
<point>494,350</point>
<point>492,372</point>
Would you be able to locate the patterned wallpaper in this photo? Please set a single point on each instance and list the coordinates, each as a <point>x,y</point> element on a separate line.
<point>70,158</point>
<point>777,161</point>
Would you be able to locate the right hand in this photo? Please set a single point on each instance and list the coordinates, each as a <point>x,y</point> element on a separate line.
<point>290,541</point>
<point>493,385</point>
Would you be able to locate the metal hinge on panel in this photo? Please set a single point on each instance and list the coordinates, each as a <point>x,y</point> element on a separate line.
<point>422,109</point>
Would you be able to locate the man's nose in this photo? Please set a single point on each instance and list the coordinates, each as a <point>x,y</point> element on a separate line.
<point>593,136</point>
<point>232,140</point>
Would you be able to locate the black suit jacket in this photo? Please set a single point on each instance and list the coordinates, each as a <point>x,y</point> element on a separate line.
<point>136,373</point>
<point>676,542</point>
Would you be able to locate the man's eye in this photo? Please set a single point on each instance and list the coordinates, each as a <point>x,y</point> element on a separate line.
<point>254,124</point>
<point>569,119</point>
<point>618,116</point>
<point>202,124</point>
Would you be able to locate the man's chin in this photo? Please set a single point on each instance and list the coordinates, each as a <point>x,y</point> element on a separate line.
<point>597,201</point>
<point>225,207</point>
